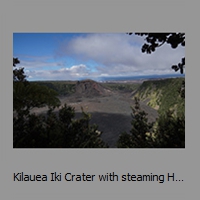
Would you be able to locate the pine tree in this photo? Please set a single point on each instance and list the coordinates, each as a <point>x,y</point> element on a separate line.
<point>141,131</point>
<point>170,132</point>
<point>28,95</point>
<point>52,130</point>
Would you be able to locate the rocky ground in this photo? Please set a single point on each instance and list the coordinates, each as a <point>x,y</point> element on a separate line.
<point>112,113</point>
<point>109,109</point>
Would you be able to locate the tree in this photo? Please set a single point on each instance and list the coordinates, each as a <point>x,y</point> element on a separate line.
<point>18,74</point>
<point>60,130</point>
<point>168,131</point>
<point>50,130</point>
<point>28,95</point>
<point>141,132</point>
<point>156,40</point>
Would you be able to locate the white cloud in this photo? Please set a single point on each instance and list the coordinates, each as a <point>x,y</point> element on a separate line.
<point>107,49</point>
<point>120,54</point>
<point>113,55</point>
<point>38,62</point>
<point>75,72</point>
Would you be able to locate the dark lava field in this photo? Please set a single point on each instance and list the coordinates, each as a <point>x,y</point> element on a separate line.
<point>109,109</point>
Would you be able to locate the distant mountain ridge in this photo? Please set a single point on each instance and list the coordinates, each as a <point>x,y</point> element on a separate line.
<point>140,77</point>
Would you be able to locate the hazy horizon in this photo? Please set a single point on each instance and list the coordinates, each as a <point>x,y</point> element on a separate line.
<point>124,78</point>
<point>74,56</point>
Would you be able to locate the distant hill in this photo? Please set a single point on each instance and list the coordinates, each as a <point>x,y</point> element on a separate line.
<point>140,77</point>
<point>162,95</point>
<point>90,88</point>
<point>63,88</point>
<point>86,88</point>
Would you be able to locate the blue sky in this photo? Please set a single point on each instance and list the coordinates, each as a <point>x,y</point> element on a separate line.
<point>76,56</point>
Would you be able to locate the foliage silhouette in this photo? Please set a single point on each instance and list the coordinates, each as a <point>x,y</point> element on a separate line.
<point>56,131</point>
<point>50,130</point>
<point>170,132</point>
<point>156,40</point>
<point>139,136</point>
<point>167,131</point>
<point>27,96</point>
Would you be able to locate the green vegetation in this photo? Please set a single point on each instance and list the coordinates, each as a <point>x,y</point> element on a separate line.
<point>122,87</point>
<point>56,131</point>
<point>163,95</point>
<point>167,132</point>
<point>140,128</point>
<point>27,96</point>
<point>167,96</point>
<point>64,131</point>
<point>63,88</point>
<point>50,130</point>
<point>155,40</point>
